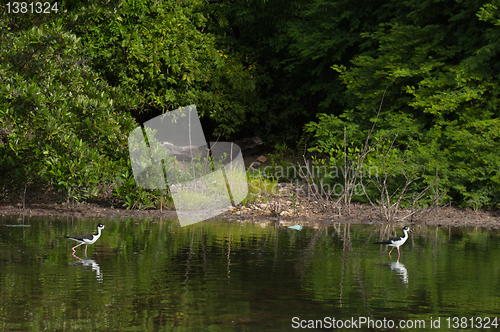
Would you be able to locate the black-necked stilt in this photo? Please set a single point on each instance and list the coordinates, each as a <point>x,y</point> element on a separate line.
<point>87,238</point>
<point>397,242</point>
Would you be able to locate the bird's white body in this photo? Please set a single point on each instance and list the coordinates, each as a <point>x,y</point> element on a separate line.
<point>87,238</point>
<point>397,242</point>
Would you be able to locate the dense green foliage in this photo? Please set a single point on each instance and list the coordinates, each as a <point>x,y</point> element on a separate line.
<point>73,81</point>
<point>159,53</point>
<point>60,124</point>
<point>438,63</point>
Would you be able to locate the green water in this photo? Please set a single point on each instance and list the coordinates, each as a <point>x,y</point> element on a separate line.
<point>152,275</point>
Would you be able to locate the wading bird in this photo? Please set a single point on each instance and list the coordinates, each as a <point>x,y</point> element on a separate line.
<point>397,242</point>
<point>87,238</point>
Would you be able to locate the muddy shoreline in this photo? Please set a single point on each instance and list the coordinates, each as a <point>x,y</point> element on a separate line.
<point>303,214</point>
<point>287,204</point>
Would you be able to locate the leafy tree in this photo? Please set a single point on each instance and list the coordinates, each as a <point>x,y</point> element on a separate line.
<point>160,53</point>
<point>437,60</point>
<point>60,123</point>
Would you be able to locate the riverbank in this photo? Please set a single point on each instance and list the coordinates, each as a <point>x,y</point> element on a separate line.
<point>281,207</point>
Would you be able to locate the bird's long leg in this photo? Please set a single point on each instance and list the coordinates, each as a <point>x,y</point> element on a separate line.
<point>398,253</point>
<point>87,246</point>
<point>73,254</point>
<point>77,246</point>
<point>391,250</point>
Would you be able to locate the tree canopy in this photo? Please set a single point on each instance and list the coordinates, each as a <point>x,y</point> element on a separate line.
<point>75,82</point>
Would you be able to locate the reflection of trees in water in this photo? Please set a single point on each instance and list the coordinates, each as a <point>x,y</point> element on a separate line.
<point>344,233</point>
<point>345,273</point>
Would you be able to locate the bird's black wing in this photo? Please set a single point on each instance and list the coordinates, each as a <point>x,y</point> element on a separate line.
<point>392,239</point>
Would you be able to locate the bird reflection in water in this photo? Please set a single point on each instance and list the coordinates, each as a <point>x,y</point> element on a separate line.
<point>400,269</point>
<point>93,265</point>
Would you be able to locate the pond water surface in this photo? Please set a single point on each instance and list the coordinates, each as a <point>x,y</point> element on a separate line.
<point>153,275</point>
